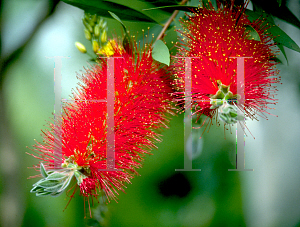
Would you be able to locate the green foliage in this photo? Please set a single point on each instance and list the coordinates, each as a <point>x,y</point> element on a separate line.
<point>161,52</point>
<point>252,33</point>
<point>280,37</point>
<point>126,10</point>
<point>127,42</point>
<point>275,8</point>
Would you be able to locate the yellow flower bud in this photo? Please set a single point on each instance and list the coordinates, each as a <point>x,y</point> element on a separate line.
<point>103,37</point>
<point>80,47</point>
<point>95,46</point>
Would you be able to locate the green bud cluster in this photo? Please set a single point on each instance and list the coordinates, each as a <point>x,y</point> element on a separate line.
<point>224,101</point>
<point>95,30</point>
<point>55,182</point>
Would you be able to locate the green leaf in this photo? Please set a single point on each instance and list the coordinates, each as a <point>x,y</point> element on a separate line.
<point>161,52</point>
<point>37,189</point>
<point>206,3</point>
<point>282,38</point>
<point>41,194</point>
<point>118,19</point>
<point>279,2</point>
<point>175,7</point>
<point>252,33</point>
<point>56,176</point>
<point>66,183</point>
<point>127,42</point>
<point>55,194</point>
<point>43,171</point>
<point>280,46</point>
<point>54,188</point>
<point>48,183</point>
<point>282,12</point>
<point>126,10</point>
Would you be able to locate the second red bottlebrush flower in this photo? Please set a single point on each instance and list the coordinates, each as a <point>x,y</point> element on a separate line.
<point>214,39</point>
<point>142,103</point>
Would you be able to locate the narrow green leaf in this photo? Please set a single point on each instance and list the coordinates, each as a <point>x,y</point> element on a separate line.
<point>286,14</point>
<point>48,183</point>
<point>40,181</point>
<point>43,170</point>
<point>158,15</point>
<point>206,3</point>
<point>126,10</point>
<point>56,176</point>
<point>66,183</point>
<point>280,46</point>
<point>282,11</point>
<point>161,52</point>
<point>118,19</point>
<point>175,7</point>
<point>41,194</point>
<point>279,2</point>
<point>55,194</point>
<point>127,42</point>
<point>54,188</point>
<point>282,38</point>
<point>37,189</point>
<point>252,33</point>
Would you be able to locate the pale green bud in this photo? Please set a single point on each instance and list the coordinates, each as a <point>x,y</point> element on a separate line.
<point>80,47</point>
<point>104,24</point>
<point>95,46</point>
<point>97,31</point>
<point>88,26</point>
<point>94,18</point>
<point>87,34</point>
<point>103,37</point>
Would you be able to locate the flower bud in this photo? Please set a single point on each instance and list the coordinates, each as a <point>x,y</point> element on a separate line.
<point>103,37</point>
<point>104,24</point>
<point>95,46</point>
<point>87,26</point>
<point>80,47</point>
<point>97,30</point>
<point>94,18</point>
<point>87,34</point>
<point>100,21</point>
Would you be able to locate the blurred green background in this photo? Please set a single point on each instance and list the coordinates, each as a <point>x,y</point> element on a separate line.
<point>32,30</point>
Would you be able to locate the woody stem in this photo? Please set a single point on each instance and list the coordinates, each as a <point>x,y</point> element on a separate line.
<point>161,34</point>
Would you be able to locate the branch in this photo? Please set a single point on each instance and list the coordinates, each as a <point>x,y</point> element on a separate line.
<point>162,33</point>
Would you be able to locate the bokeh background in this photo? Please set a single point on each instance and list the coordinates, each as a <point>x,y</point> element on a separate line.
<point>32,30</point>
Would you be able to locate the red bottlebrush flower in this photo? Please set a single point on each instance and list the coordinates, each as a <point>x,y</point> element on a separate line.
<point>142,103</point>
<point>212,37</point>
